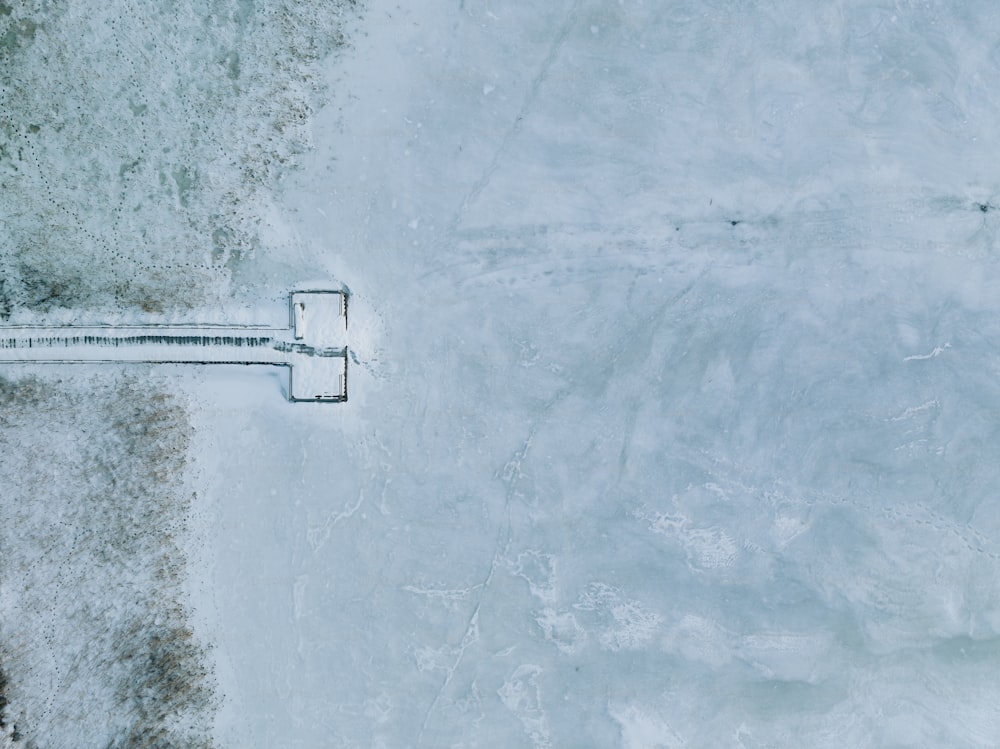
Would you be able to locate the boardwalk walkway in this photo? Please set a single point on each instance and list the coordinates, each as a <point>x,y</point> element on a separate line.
<point>313,346</point>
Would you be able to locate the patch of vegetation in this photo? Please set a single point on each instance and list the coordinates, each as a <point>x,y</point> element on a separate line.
<point>141,141</point>
<point>96,645</point>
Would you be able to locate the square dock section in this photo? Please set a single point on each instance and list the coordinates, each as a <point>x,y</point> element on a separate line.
<point>320,318</point>
<point>319,326</point>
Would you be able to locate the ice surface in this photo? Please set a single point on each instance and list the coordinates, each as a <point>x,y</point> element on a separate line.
<point>650,447</point>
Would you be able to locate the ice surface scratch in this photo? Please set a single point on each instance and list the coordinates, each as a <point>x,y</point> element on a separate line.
<point>913,410</point>
<point>471,636</point>
<point>938,350</point>
<point>629,431</point>
<point>510,474</point>
<point>318,535</point>
<point>529,99</point>
<point>447,594</point>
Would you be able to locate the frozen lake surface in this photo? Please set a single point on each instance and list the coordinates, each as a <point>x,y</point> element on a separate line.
<point>673,386</point>
<point>678,383</point>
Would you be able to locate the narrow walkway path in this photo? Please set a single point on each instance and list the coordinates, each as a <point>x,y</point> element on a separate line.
<point>313,346</point>
<point>195,345</point>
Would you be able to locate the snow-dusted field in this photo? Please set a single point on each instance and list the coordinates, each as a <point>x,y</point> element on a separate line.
<point>671,423</point>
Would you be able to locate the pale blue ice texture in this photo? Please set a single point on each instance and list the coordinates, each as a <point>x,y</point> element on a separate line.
<point>677,421</point>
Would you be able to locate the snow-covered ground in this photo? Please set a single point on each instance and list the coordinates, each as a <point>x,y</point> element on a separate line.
<point>139,147</point>
<point>670,423</point>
